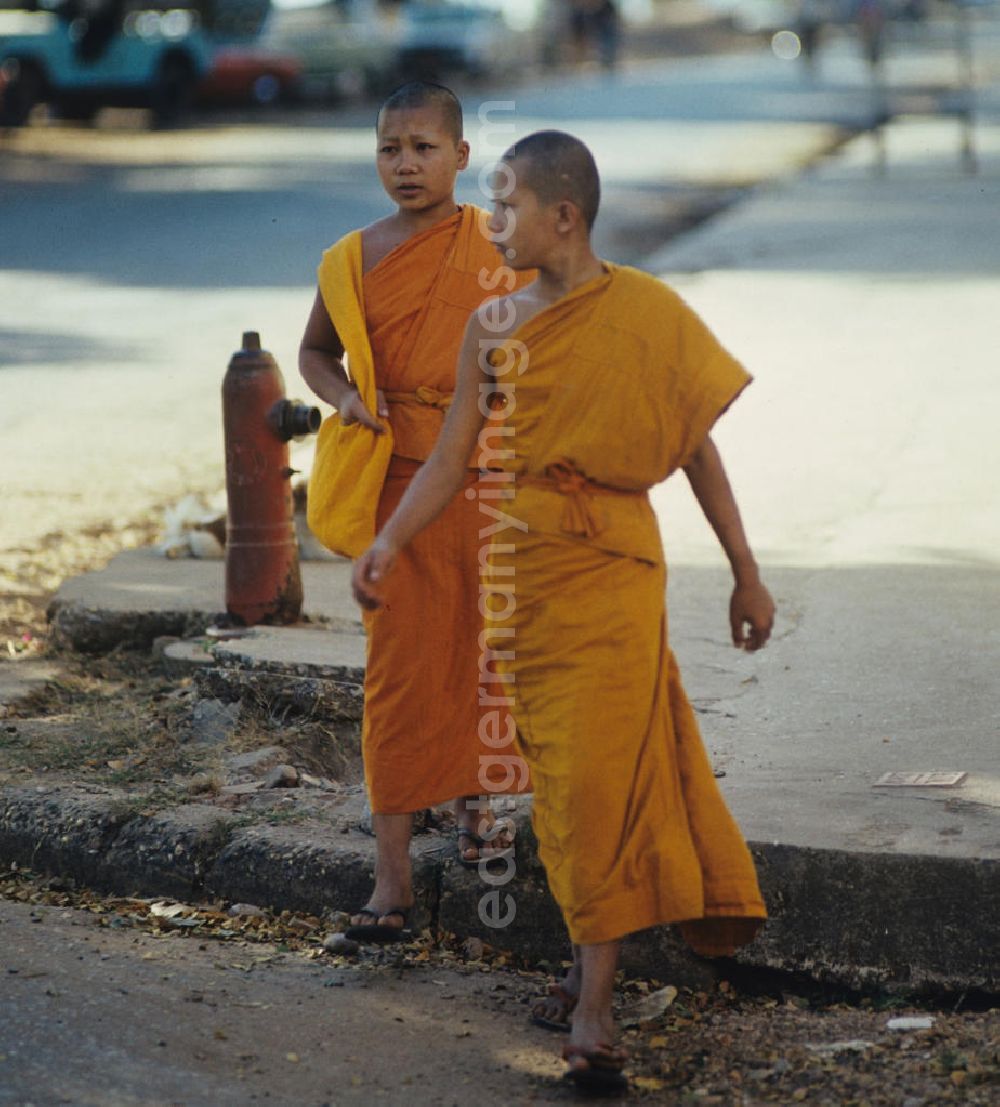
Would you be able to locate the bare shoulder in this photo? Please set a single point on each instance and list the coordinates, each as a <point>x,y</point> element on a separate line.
<point>499,317</point>
<point>379,239</point>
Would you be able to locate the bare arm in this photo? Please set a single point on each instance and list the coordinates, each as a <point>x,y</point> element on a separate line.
<point>751,609</point>
<point>437,480</point>
<point>322,368</point>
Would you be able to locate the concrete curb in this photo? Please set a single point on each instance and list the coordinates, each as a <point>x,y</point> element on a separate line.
<point>906,924</point>
<point>75,626</point>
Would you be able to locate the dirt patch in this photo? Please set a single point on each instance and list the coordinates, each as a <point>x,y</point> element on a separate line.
<point>118,721</point>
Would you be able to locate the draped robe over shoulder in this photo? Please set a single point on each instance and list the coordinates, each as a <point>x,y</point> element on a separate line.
<point>616,386</point>
<point>421,723</point>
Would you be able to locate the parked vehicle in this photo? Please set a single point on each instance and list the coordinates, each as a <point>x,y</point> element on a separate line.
<point>79,55</point>
<point>443,38</point>
<point>343,49</point>
<point>250,74</point>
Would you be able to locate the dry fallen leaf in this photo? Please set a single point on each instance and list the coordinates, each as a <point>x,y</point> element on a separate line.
<point>166,909</point>
<point>650,1007</point>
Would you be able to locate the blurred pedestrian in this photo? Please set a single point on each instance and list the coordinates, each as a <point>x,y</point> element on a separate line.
<point>809,27</point>
<point>594,25</point>
<point>871,20</point>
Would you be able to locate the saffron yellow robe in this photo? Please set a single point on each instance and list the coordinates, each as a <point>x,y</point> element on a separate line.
<point>420,736</point>
<point>616,385</point>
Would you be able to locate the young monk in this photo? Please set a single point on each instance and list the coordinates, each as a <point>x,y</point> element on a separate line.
<point>611,382</point>
<point>398,294</point>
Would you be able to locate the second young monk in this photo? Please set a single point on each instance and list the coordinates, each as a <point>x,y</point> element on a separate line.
<point>612,382</point>
<point>401,291</point>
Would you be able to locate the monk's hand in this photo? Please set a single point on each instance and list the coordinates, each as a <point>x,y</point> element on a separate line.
<point>751,615</point>
<point>352,410</point>
<point>368,572</point>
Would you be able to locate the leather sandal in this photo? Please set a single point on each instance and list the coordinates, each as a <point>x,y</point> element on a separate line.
<point>380,933</point>
<point>601,1075</point>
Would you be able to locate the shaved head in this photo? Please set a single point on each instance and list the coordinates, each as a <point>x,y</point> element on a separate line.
<point>426,94</point>
<point>556,166</point>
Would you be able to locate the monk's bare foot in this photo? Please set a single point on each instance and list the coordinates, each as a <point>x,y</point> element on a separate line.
<point>477,838</point>
<point>555,1010</point>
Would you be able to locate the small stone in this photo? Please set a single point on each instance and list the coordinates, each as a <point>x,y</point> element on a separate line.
<point>307,780</point>
<point>341,944</point>
<point>213,722</point>
<point>473,948</point>
<point>241,789</point>
<point>256,761</point>
<point>282,776</point>
<point>250,910</point>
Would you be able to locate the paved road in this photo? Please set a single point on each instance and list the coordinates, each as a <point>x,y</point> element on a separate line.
<point>98,1014</point>
<point>102,1017</point>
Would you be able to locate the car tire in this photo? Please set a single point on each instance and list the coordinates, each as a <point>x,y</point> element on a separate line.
<point>174,92</point>
<point>77,112</point>
<point>25,88</point>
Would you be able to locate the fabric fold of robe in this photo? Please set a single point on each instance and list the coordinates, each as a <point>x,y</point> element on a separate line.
<point>420,736</point>
<point>616,386</point>
<point>350,461</point>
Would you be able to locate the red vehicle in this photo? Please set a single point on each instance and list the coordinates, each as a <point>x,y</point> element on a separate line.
<point>247,74</point>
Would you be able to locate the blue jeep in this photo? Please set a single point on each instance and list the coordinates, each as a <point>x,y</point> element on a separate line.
<point>80,55</point>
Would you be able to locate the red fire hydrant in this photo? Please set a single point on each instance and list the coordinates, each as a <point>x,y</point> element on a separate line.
<point>262,559</point>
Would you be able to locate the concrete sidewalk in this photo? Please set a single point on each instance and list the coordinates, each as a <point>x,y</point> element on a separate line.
<point>865,458</point>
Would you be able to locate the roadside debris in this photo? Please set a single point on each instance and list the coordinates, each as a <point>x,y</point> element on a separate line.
<point>920,780</point>
<point>911,1022</point>
<point>649,1007</point>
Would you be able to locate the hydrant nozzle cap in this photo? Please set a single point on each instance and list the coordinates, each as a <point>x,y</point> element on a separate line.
<point>251,341</point>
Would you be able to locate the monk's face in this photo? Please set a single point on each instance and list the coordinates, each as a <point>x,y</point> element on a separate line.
<point>418,158</point>
<point>520,226</point>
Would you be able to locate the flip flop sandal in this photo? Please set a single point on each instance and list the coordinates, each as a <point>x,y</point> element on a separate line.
<point>603,1074</point>
<point>464,839</point>
<point>373,932</point>
<point>568,1001</point>
<point>468,838</point>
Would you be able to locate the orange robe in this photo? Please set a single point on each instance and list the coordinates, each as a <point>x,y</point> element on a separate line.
<point>421,723</point>
<point>616,386</point>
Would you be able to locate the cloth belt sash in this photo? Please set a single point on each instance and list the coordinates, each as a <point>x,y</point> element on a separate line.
<point>425,396</point>
<point>564,477</point>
